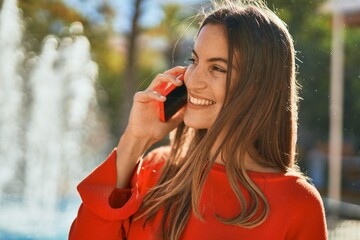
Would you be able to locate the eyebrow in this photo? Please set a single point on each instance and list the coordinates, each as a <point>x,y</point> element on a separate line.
<point>215,59</point>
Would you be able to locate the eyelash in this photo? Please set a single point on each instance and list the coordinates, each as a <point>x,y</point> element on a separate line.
<point>214,68</point>
<point>218,69</point>
<point>191,60</point>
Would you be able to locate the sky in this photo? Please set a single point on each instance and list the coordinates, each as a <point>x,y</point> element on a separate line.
<point>152,14</point>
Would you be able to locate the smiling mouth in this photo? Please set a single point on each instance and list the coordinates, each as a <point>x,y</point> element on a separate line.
<point>200,102</point>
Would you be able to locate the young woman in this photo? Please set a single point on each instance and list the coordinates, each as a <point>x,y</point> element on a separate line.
<point>229,172</point>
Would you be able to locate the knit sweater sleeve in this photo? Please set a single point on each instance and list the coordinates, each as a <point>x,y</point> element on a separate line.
<point>105,210</point>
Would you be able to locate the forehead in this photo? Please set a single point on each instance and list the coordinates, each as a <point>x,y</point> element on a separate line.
<point>211,41</point>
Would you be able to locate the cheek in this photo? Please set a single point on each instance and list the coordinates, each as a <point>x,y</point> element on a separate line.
<point>187,74</point>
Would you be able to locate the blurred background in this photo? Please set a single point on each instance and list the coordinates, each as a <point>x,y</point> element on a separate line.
<point>69,69</point>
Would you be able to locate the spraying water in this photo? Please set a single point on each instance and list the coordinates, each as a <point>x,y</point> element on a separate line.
<point>42,139</point>
<point>10,91</point>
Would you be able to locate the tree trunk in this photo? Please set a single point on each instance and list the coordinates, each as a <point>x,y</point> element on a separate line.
<point>130,77</point>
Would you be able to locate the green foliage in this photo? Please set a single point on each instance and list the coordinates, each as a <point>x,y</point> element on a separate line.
<point>311,29</point>
<point>44,17</point>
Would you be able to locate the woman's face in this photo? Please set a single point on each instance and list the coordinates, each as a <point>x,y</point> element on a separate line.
<point>205,77</point>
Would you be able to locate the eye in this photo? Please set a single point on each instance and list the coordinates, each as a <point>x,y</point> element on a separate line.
<point>218,69</point>
<point>191,61</point>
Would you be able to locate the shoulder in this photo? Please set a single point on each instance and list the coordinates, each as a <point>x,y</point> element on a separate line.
<point>302,192</point>
<point>305,201</point>
<point>305,205</point>
<point>308,191</point>
<point>293,193</point>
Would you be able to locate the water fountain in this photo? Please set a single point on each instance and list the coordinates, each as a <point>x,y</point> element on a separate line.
<point>45,111</point>
<point>10,93</point>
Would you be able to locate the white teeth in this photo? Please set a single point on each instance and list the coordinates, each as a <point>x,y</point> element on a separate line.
<point>200,102</point>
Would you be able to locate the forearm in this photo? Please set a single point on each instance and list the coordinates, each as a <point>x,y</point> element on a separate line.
<point>103,210</point>
<point>89,226</point>
<point>129,150</point>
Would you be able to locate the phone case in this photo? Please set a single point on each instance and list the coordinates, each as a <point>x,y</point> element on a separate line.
<point>176,98</point>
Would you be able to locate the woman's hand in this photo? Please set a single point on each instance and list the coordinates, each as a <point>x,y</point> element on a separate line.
<point>144,127</point>
<point>144,122</point>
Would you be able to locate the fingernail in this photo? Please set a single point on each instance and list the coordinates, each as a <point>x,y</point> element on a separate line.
<point>179,78</point>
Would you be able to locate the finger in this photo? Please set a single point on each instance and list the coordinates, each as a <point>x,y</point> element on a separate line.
<point>174,75</point>
<point>167,78</point>
<point>147,96</point>
<point>178,70</point>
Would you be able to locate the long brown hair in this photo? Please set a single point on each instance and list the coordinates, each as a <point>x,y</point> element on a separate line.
<point>260,115</point>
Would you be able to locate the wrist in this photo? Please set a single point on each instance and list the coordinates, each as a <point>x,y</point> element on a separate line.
<point>133,142</point>
<point>129,150</point>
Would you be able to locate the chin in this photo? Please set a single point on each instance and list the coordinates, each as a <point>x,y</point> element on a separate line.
<point>197,123</point>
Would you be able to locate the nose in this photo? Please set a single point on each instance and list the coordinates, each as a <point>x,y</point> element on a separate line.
<point>194,78</point>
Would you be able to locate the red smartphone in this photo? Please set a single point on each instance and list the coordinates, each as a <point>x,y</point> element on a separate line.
<point>176,98</point>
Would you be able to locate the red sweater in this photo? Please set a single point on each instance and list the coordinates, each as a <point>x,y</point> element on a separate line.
<point>296,209</point>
